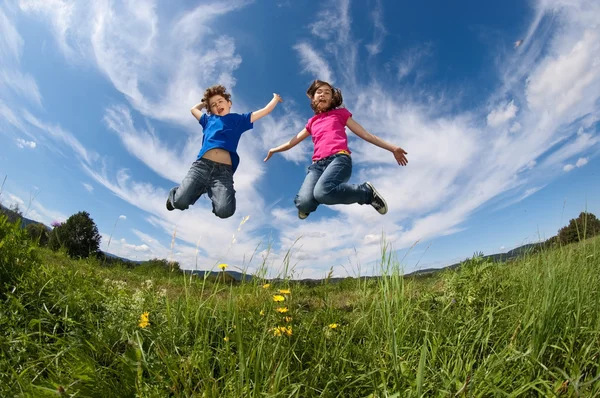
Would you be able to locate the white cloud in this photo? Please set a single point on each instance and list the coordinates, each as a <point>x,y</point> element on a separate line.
<point>21,143</point>
<point>581,162</point>
<point>502,114</point>
<point>20,84</point>
<point>146,146</point>
<point>569,80</point>
<point>581,143</point>
<point>60,15</point>
<point>58,134</point>
<point>516,126</point>
<point>87,186</point>
<point>314,63</point>
<point>380,32</point>
<point>278,130</point>
<point>411,58</point>
<point>11,43</point>
<point>13,81</point>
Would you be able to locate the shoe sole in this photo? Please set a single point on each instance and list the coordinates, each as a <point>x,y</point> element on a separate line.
<point>375,193</point>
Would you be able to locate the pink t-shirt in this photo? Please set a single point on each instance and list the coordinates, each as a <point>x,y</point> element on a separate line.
<point>328,131</point>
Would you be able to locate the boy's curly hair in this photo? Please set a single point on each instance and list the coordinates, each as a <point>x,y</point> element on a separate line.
<point>336,100</point>
<point>211,92</point>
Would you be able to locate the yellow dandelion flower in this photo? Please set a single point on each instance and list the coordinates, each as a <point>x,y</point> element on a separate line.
<point>266,286</point>
<point>285,291</point>
<point>144,320</point>
<point>282,310</point>
<point>226,338</point>
<point>276,332</point>
<point>223,266</point>
<point>288,318</point>
<point>278,298</point>
<point>287,331</point>
<point>333,325</point>
<point>262,312</point>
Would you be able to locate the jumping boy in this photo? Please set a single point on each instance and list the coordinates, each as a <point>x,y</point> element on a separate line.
<point>212,172</point>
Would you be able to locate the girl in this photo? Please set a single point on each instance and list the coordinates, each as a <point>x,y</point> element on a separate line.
<point>327,177</point>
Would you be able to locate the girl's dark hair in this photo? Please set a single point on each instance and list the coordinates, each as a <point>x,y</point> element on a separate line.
<point>211,92</point>
<point>336,100</point>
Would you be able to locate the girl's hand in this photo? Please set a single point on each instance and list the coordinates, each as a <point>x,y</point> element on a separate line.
<point>399,154</point>
<point>277,97</point>
<point>271,152</point>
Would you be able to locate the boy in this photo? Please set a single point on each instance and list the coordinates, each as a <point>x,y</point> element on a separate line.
<point>212,172</point>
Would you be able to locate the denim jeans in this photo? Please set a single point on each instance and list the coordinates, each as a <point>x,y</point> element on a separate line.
<point>206,176</point>
<point>325,183</point>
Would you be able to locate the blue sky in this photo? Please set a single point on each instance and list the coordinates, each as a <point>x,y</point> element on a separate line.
<point>502,140</point>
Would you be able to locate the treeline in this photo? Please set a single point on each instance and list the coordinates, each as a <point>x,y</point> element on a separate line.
<point>78,237</point>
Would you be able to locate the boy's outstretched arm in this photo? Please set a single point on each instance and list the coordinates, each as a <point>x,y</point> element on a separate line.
<point>290,144</point>
<point>267,109</point>
<point>399,153</point>
<point>197,110</point>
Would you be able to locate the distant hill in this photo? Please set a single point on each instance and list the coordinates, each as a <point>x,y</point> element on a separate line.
<point>238,276</point>
<point>14,216</point>
<point>497,258</point>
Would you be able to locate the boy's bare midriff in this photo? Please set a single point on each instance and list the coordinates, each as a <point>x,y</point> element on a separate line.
<point>218,155</point>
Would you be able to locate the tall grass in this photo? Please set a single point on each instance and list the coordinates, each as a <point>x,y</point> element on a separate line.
<point>525,328</point>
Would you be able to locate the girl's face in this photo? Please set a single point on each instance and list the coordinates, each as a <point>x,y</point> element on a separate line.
<point>323,96</point>
<point>219,105</point>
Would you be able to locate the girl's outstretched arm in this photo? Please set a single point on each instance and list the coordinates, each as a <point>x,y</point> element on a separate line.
<point>197,110</point>
<point>288,145</point>
<point>267,109</point>
<point>399,153</point>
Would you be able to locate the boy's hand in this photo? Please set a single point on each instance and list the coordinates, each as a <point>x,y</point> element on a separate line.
<point>271,152</point>
<point>277,97</point>
<point>400,155</point>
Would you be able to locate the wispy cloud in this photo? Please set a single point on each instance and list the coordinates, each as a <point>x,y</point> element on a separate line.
<point>11,43</point>
<point>412,58</point>
<point>380,32</point>
<point>145,145</point>
<point>62,136</point>
<point>88,187</point>
<point>123,41</point>
<point>13,81</point>
<point>502,114</point>
<point>313,63</point>
<point>33,209</point>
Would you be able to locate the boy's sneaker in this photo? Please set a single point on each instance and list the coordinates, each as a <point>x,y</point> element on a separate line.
<point>301,215</point>
<point>169,205</point>
<point>378,202</point>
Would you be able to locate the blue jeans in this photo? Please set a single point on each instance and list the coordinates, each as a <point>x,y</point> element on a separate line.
<point>206,176</point>
<point>325,183</point>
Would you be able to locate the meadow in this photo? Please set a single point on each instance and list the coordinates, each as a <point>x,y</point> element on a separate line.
<point>80,328</point>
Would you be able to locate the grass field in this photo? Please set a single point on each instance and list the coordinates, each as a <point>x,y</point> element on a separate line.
<point>526,328</point>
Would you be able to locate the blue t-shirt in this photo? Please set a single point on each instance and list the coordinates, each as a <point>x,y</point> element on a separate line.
<point>224,132</point>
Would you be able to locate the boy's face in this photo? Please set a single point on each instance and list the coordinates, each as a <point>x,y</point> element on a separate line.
<point>323,97</point>
<point>218,105</point>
